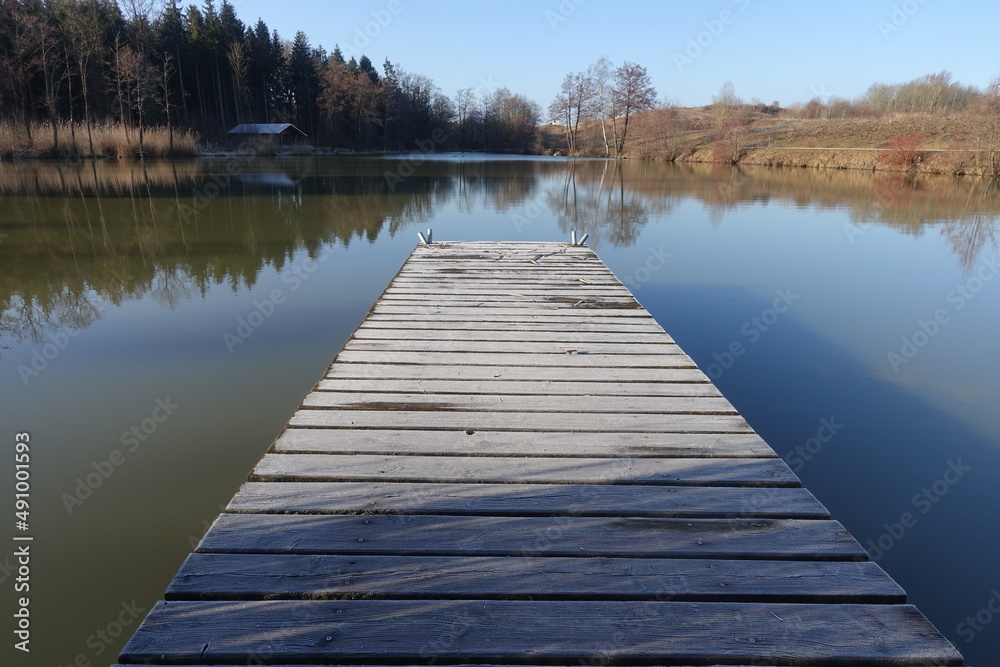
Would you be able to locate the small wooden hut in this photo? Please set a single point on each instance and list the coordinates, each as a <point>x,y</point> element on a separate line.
<point>278,134</point>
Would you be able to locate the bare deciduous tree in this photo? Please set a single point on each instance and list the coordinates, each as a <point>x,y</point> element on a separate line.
<point>572,105</point>
<point>599,76</point>
<point>53,70</point>
<point>239,63</point>
<point>985,122</point>
<point>633,91</point>
<point>732,137</point>
<point>163,96</point>
<point>82,26</point>
<point>725,102</point>
<point>24,59</point>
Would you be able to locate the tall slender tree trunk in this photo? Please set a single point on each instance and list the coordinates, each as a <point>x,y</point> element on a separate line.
<point>86,105</point>
<point>180,76</point>
<point>218,98</point>
<point>620,149</point>
<point>201,93</point>
<point>604,132</point>
<point>24,111</point>
<point>614,130</point>
<point>236,103</point>
<point>49,76</point>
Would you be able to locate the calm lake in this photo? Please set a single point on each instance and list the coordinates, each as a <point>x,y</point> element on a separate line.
<point>123,286</point>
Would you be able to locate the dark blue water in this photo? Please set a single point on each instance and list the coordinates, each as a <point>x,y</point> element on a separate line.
<point>161,321</point>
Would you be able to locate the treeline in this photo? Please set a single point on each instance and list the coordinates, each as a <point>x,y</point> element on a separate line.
<point>76,63</point>
<point>932,93</point>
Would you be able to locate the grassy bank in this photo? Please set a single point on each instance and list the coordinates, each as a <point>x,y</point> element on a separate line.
<point>944,145</point>
<point>103,140</point>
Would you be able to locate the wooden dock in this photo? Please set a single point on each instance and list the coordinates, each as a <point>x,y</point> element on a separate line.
<point>512,463</point>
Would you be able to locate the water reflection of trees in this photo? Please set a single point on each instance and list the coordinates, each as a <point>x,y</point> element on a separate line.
<point>593,198</point>
<point>613,201</point>
<point>76,236</point>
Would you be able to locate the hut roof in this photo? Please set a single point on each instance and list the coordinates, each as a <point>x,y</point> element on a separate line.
<point>266,128</point>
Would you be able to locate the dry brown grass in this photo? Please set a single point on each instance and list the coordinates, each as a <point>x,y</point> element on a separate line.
<point>689,134</point>
<point>109,140</point>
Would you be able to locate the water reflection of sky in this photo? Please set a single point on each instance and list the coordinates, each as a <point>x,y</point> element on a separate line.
<point>150,289</point>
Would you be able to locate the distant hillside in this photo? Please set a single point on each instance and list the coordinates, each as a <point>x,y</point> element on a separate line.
<point>931,143</point>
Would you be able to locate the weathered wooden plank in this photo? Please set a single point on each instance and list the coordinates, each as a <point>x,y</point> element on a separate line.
<point>567,321</point>
<point>623,309</point>
<point>553,632</point>
<point>431,289</point>
<point>511,373</point>
<point>496,334</point>
<point>519,403</point>
<point>520,347</point>
<point>506,279</point>
<point>478,249</point>
<point>521,269</point>
<point>292,576</point>
<point>509,274</point>
<point>507,257</point>
<point>493,248</point>
<point>561,325</point>
<point>513,258</point>
<point>537,470</point>
<point>499,275</point>
<point>526,266</point>
<point>524,443</point>
<point>757,664</point>
<point>525,500</point>
<point>446,298</point>
<point>495,387</point>
<point>419,534</point>
<point>529,359</point>
<point>461,291</point>
<point>521,421</point>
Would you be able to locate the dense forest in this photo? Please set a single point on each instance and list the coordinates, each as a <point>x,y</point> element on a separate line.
<point>77,65</point>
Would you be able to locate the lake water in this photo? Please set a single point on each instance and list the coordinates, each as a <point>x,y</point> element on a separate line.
<point>119,282</point>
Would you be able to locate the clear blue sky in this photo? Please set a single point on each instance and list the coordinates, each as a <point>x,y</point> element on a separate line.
<point>770,49</point>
